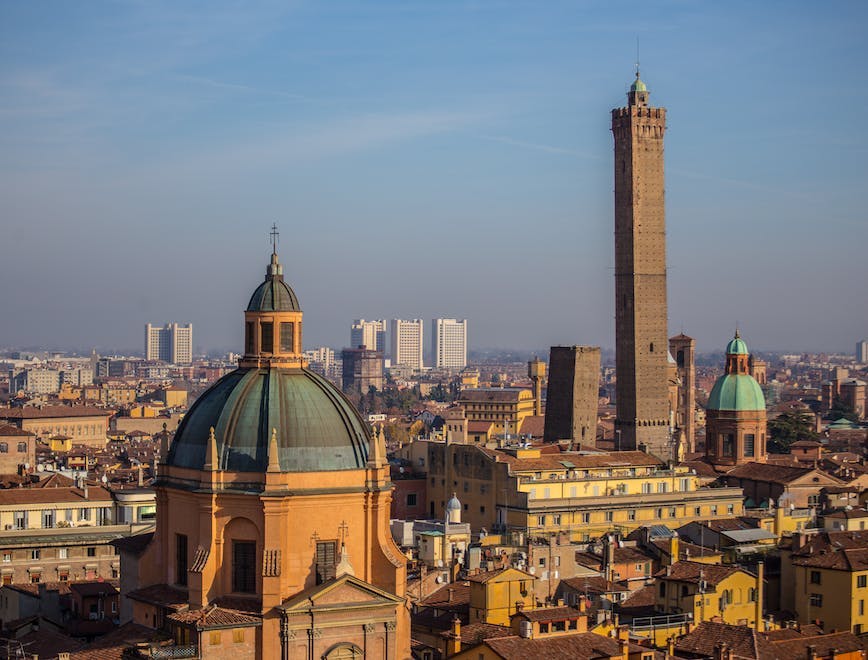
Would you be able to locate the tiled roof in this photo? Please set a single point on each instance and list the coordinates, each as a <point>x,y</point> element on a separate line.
<point>85,589</point>
<point>484,395</point>
<point>134,544</point>
<point>440,599</point>
<point>32,412</point>
<point>214,617</point>
<point>593,584</point>
<point>582,646</point>
<point>744,642</point>
<point>112,645</point>
<point>797,648</point>
<point>689,571</point>
<point>840,559</point>
<point>485,576</point>
<point>777,474</point>
<point>555,461</point>
<point>161,594</point>
<point>14,496</point>
<point>474,633</point>
<point>8,431</point>
<point>551,614</point>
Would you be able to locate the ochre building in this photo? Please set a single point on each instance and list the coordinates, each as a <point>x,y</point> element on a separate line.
<point>272,536</point>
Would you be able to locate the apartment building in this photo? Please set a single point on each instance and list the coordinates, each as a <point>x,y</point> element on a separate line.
<point>170,343</point>
<point>449,343</point>
<point>406,339</point>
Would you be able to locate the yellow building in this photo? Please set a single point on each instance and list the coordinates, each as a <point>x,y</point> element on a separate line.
<point>505,407</point>
<point>706,591</point>
<point>173,397</point>
<point>583,494</point>
<point>60,443</point>
<point>86,426</point>
<point>496,595</point>
<point>828,574</point>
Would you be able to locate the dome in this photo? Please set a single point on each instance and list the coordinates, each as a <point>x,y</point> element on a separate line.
<point>273,295</point>
<point>736,346</point>
<point>316,427</point>
<point>453,504</point>
<point>638,85</point>
<point>736,392</point>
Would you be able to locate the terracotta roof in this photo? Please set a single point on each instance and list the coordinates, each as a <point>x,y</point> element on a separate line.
<point>214,617</point>
<point>15,496</point>
<point>852,559</point>
<point>32,412</point>
<point>94,588</point>
<point>161,594</point>
<point>744,642</point>
<point>778,474</point>
<point>134,544</point>
<point>497,395</point>
<point>479,427</point>
<point>46,642</point>
<point>533,425</point>
<point>111,646</point>
<point>582,646</point>
<point>549,614</point>
<point>441,599</point>
<point>485,576</point>
<point>688,571</point>
<point>797,648</point>
<point>847,515</point>
<point>594,584</point>
<point>621,459</point>
<point>8,430</point>
<point>474,633</point>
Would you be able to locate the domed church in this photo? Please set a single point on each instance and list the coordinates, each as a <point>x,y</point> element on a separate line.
<point>735,417</point>
<point>272,530</point>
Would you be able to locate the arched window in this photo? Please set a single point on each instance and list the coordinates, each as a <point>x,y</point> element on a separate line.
<point>343,651</point>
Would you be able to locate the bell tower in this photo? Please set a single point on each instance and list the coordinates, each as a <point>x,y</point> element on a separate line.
<point>641,338</point>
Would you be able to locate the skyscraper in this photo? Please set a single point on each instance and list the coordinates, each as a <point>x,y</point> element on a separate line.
<point>449,343</point>
<point>370,334</point>
<point>406,338</point>
<point>172,343</point>
<point>641,338</point>
<point>862,351</point>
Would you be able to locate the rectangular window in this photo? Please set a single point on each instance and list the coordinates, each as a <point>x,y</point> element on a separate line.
<point>658,513</point>
<point>815,577</point>
<point>248,337</point>
<point>861,607</point>
<point>586,517</point>
<point>672,513</point>
<point>730,509</point>
<point>63,553</point>
<point>411,499</point>
<point>34,554</point>
<point>749,442</point>
<point>556,519</point>
<point>816,600</point>
<point>631,514</point>
<point>286,337</point>
<point>244,567</point>
<point>48,519</point>
<point>697,511</point>
<point>181,559</point>
<point>91,552</point>
<point>541,521</point>
<point>609,516</point>
<point>214,638</point>
<point>20,520</point>
<point>238,635</point>
<point>266,337</point>
<point>861,580</point>
<point>714,510</point>
<point>646,488</point>
<point>7,557</point>
<point>326,560</point>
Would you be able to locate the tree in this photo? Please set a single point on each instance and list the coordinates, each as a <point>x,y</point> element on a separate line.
<point>840,409</point>
<point>787,428</point>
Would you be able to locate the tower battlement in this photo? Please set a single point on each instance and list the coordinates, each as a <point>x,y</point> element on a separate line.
<point>639,111</point>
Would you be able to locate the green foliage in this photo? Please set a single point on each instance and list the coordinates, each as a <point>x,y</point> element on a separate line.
<point>840,409</point>
<point>788,428</point>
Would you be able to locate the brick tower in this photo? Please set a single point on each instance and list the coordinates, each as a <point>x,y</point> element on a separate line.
<point>683,349</point>
<point>641,338</point>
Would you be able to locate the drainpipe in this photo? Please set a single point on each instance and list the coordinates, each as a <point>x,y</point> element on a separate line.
<point>760,573</point>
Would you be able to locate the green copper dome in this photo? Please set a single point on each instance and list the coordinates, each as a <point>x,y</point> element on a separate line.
<point>736,346</point>
<point>317,427</point>
<point>736,392</point>
<point>638,85</point>
<point>273,295</point>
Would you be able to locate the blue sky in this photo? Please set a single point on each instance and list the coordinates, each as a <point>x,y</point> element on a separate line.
<point>426,159</point>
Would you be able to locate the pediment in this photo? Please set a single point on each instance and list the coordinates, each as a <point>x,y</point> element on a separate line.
<point>343,591</point>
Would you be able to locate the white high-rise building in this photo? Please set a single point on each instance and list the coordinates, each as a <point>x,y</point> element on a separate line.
<point>449,343</point>
<point>407,342</point>
<point>370,334</point>
<point>172,343</point>
<point>862,351</point>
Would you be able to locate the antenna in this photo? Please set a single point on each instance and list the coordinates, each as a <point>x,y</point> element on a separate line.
<point>274,236</point>
<point>637,56</point>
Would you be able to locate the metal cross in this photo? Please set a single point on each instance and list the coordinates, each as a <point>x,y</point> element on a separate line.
<point>274,236</point>
<point>344,531</point>
<point>314,537</point>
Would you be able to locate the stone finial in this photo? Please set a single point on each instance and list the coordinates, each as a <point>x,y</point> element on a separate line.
<point>377,457</point>
<point>344,566</point>
<point>211,459</point>
<point>273,453</point>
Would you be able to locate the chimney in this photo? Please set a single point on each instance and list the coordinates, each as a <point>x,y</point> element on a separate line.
<point>84,487</point>
<point>451,593</point>
<point>673,548</point>
<point>670,646</point>
<point>624,649</point>
<point>453,646</point>
<point>812,652</point>
<point>623,633</point>
<point>720,651</point>
<point>760,574</point>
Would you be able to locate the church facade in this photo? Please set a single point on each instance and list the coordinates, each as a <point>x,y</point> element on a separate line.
<point>272,537</point>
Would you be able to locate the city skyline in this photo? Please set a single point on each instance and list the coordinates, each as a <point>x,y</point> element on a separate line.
<point>466,148</point>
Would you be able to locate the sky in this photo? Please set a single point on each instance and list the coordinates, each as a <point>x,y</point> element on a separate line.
<point>426,159</point>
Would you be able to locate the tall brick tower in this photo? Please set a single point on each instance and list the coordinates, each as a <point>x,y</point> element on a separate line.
<point>641,338</point>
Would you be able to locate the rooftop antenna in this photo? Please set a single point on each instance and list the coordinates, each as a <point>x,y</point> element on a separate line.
<point>637,56</point>
<point>274,236</point>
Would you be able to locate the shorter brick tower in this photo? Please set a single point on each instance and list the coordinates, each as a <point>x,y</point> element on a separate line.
<point>572,394</point>
<point>735,418</point>
<point>683,350</point>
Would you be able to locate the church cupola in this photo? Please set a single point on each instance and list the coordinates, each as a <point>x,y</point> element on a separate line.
<point>272,321</point>
<point>638,94</point>
<point>737,356</point>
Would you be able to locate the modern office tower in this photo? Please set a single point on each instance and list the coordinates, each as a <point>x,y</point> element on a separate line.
<point>862,351</point>
<point>683,349</point>
<point>641,339</point>
<point>370,334</point>
<point>406,338</point>
<point>362,369</point>
<point>172,343</point>
<point>572,394</point>
<point>449,343</point>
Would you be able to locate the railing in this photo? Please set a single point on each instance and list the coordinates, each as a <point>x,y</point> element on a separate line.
<point>662,621</point>
<point>183,651</point>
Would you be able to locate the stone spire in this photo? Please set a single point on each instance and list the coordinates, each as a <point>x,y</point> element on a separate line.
<point>211,458</point>
<point>273,453</point>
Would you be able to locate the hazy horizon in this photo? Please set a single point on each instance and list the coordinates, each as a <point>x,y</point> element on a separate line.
<point>425,160</point>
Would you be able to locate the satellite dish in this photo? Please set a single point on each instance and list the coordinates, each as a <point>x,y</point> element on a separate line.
<point>104,479</point>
